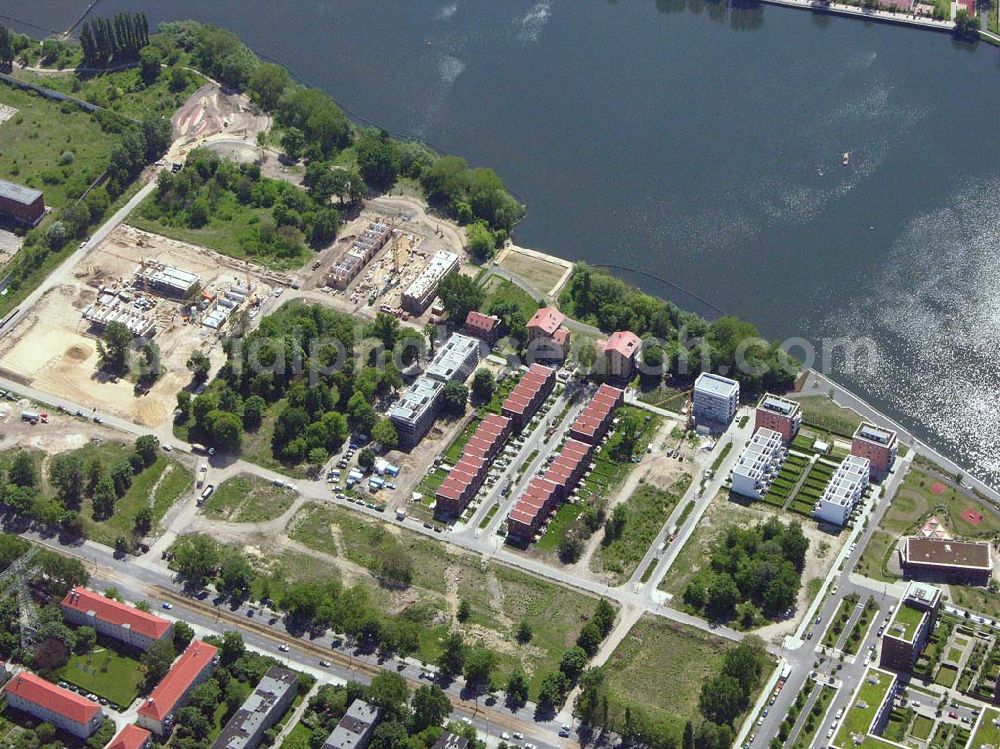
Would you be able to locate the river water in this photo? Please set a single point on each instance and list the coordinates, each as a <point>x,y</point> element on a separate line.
<point>702,143</point>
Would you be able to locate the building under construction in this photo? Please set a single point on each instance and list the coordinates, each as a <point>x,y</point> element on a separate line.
<point>165,280</point>
<point>131,311</point>
<point>422,291</point>
<point>363,249</point>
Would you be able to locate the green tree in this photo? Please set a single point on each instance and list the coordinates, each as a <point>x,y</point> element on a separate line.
<point>524,632</point>
<point>966,26</point>
<point>452,658</point>
<point>232,647</point>
<point>66,476</point>
<point>459,295</point>
<point>484,384</point>
<point>479,665</point>
<point>183,634</point>
<point>723,595</point>
<point>721,699</point>
<point>196,558</point>
<point>149,64</point>
<point>479,241</point>
<point>253,412</point>
<point>143,520</point>
<point>146,447</point>
<point>464,610</point>
<point>430,707</point>
<point>517,688</point>
<point>388,691</point>
<point>23,471</point>
<point>267,83</point>
<point>384,432</point>
<point>454,396</point>
<point>552,690</point>
<point>292,142</point>
<point>236,576</point>
<point>572,662</point>
<point>198,363</point>
<point>113,347</point>
<point>156,661</point>
<point>104,498</point>
<point>378,159</point>
<point>86,639</point>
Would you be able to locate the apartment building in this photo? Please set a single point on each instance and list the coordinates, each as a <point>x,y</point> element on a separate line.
<point>843,491</point>
<point>548,338</point>
<point>415,411</point>
<point>355,729</point>
<point>419,294</point>
<point>363,249</point>
<point>620,352</point>
<point>468,475</point>
<point>912,622</point>
<point>947,560</point>
<point>759,463</point>
<point>194,665</point>
<point>715,400</point>
<point>778,414</point>
<point>484,327</point>
<point>455,359</point>
<point>262,709</point>
<point>876,444</point>
<point>132,737</point>
<point>113,619</point>
<point>50,703</point>
<point>528,395</point>
<point>596,418</point>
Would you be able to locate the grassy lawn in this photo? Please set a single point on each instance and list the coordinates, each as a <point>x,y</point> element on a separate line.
<point>861,713</point>
<point>229,223</point>
<point>500,597</point>
<point>821,412</point>
<point>659,669</point>
<point>987,733</point>
<point>248,499</point>
<point>976,599</point>
<point>55,148</point>
<point>664,396</point>
<point>922,727</point>
<point>501,290</point>
<point>839,620</point>
<point>122,91</point>
<point>564,517</point>
<point>540,273</point>
<point>297,738</point>
<point>105,672</point>
<point>648,509</point>
<point>946,676</point>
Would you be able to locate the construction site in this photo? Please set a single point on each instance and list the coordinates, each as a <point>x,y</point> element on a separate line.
<point>181,296</point>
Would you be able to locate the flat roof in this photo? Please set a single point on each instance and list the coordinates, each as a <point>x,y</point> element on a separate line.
<point>357,721</point>
<point>717,385</point>
<point>777,404</point>
<point>759,453</point>
<point>868,698</point>
<point>257,711</point>
<point>436,268</point>
<point>452,357</point>
<point>850,477</point>
<point>905,622</point>
<point>948,553</point>
<point>416,399</point>
<point>874,433</point>
<point>18,193</point>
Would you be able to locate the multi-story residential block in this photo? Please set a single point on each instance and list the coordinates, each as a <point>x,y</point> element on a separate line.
<point>528,394</point>
<point>419,294</point>
<point>869,710</point>
<point>596,418</point>
<point>195,665</point>
<point>449,740</point>
<point>878,445</point>
<point>468,475</point>
<point>261,710</point>
<point>620,352</point>
<point>759,463</point>
<point>778,414</point>
<point>113,619</point>
<point>355,729</point>
<point>912,622</point>
<point>49,703</point>
<point>415,411</point>
<point>843,491</point>
<point>548,338</point>
<point>455,359</point>
<point>946,560</point>
<point>715,400</point>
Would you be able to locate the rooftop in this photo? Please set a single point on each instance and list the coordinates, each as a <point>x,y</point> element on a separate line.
<point>416,399</point>
<point>449,740</point>
<point>716,385</point>
<point>760,452</point>
<point>479,321</point>
<point>624,342</point>
<point>442,262</point>
<point>547,319</point>
<point>360,716</point>
<point>873,433</point>
<point>905,622</point>
<point>130,737</point>
<point>949,553</point>
<point>256,710</point>
<point>451,358</point>
<point>185,670</point>
<point>778,405</point>
<point>18,193</point>
<point>109,610</point>
<point>847,481</point>
<point>37,690</point>
<point>987,731</point>
<point>868,698</point>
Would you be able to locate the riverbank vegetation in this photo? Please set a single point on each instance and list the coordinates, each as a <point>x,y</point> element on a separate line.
<point>686,344</point>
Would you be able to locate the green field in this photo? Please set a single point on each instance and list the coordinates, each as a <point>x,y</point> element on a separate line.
<point>946,676</point>
<point>658,669</point>
<point>248,499</point>
<point>501,290</point>
<point>648,509</point>
<point>55,148</point>
<point>562,519</point>
<point>105,672</point>
<point>821,412</point>
<point>922,727</point>
<point>500,597</point>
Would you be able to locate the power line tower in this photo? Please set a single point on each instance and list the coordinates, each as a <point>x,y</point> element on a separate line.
<point>14,581</point>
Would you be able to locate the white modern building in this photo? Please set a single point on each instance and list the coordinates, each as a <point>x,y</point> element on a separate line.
<point>455,359</point>
<point>759,464</point>
<point>844,491</point>
<point>422,291</point>
<point>715,400</point>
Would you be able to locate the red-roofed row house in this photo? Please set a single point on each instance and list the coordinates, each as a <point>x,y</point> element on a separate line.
<point>528,394</point>
<point>51,703</point>
<point>592,424</point>
<point>114,619</point>
<point>191,669</point>
<point>544,493</point>
<point>468,475</point>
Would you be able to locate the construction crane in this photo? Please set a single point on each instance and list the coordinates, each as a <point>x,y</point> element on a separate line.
<point>14,581</point>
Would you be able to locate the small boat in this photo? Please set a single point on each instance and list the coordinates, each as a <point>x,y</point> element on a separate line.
<point>847,158</point>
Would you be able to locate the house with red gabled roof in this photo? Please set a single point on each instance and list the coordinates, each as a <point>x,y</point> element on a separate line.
<point>112,618</point>
<point>132,737</point>
<point>50,703</point>
<point>528,394</point>
<point>620,352</point>
<point>483,327</point>
<point>548,338</point>
<point>193,667</point>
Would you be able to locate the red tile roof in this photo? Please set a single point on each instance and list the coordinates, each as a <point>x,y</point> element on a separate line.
<point>547,319</point>
<point>114,612</point>
<point>178,680</point>
<point>68,704</point>
<point>561,336</point>
<point>625,342</point>
<point>478,321</point>
<point>130,737</point>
